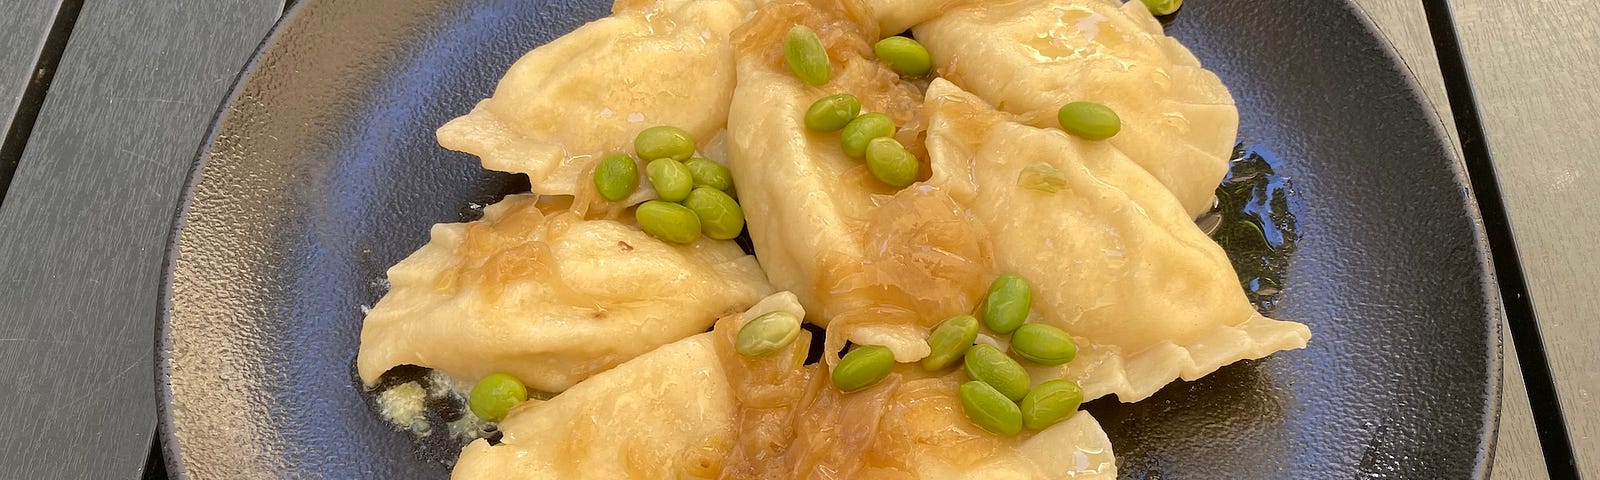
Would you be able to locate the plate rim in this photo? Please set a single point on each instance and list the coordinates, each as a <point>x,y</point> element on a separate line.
<point>1495,354</point>
<point>166,432</point>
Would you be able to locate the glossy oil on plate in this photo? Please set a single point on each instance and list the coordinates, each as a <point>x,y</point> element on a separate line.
<point>322,171</point>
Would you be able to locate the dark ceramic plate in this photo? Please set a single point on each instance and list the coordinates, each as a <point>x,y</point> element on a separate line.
<point>322,171</point>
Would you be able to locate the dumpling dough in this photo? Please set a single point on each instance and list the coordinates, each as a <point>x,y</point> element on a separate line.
<point>793,423</point>
<point>909,426</point>
<point>895,16</point>
<point>928,436</point>
<point>1149,296</point>
<point>697,409</point>
<point>1113,257</point>
<point>1030,57</point>
<point>667,414</point>
<point>589,92</point>
<point>541,293</point>
<point>872,264</point>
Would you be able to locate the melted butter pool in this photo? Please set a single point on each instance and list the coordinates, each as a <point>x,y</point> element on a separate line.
<point>1254,224</point>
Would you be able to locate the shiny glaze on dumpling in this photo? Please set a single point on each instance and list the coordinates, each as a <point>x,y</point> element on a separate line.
<point>873,264</point>
<point>1113,258</point>
<point>1030,57</point>
<point>567,103</point>
<point>549,296</point>
<point>697,409</point>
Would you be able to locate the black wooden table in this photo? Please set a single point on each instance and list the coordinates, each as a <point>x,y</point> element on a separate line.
<point>103,105</point>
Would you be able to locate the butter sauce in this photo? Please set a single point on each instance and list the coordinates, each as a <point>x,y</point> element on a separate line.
<point>1254,223</point>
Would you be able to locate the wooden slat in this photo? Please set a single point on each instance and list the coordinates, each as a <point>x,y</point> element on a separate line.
<point>23,29</point>
<point>84,226</point>
<point>1517,448</point>
<point>1533,67</point>
<point>22,32</point>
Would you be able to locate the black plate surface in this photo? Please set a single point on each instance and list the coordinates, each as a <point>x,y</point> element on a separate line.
<point>322,171</point>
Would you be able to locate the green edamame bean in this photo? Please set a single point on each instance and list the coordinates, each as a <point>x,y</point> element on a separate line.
<point>989,365</point>
<point>1006,306</point>
<point>1043,344</point>
<point>670,178</point>
<point>494,395</point>
<point>806,55</point>
<point>616,176</point>
<point>905,56</point>
<point>862,367</point>
<point>663,141</point>
<point>767,333</point>
<point>862,130</point>
<point>990,409</point>
<point>949,342</point>
<point>707,173</point>
<point>1051,402</point>
<point>833,112</point>
<point>892,163</point>
<point>668,221</point>
<point>1163,7</point>
<point>720,215</point>
<point>1089,120</point>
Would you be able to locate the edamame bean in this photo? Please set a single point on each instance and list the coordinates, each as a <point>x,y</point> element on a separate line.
<point>663,141</point>
<point>990,409</point>
<point>720,216</point>
<point>989,365</point>
<point>1006,306</point>
<point>833,112</point>
<point>862,367</point>
<point>494,395</point>
<point>1051,402</point>
<point>1043,344</point>
<point>670,178</point>
<point>806,55</point>
<point>891,163</point>
<point>905,56</point>
<point>616,176</point>
<point>707,173</point>
<point>862,130</point>
<point>767,333</point>
<point>1089,120</point>
<point>668,221</point>
<point>1163,7</point>
<point>949,342</point>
